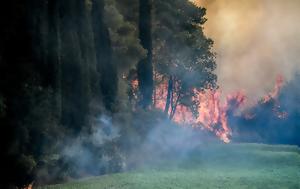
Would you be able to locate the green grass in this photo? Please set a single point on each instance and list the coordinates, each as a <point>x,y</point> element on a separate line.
<point>233,166</point>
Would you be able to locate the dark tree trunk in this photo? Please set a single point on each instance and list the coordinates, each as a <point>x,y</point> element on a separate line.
<point>105,66</point>
<point>17,68</point>
<point>170,91</point>
<point>74,105</point>
<point>54,53</point>
<point>145,69</point>
<point>174,100</point>
<point>174,107</point>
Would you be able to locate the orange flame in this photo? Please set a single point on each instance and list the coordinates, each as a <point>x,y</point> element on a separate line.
<point>30,186</point>
<point>274,94</point>
<point>212,116</point>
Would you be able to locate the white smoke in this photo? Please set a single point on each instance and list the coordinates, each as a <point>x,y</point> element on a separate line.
<point>255,41</point>
<point>81,150</point>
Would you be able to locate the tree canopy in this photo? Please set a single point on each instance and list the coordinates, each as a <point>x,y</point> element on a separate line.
<point>66,71</point>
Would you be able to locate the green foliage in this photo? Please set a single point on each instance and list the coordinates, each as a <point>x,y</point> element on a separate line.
<point>126,45</point>
<point>63,63</point>
<point>130,10</point>
<point>38,135</point>
<point>182,53</point>
<point>181,48</point>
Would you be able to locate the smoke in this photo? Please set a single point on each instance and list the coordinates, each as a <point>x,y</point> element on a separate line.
<point>273,119</point>
<point>107,132</point>
<point>113,143</point>
<point>255,41</point>
<point>167,140</point>
<point>93,151</point>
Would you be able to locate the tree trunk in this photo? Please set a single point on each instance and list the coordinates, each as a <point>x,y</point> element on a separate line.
<point>107,70</point>
<point>54,53</point>
<point>170,91</point>
<point>144,68</point>
<point>74,105</point>
<point>174,102</point>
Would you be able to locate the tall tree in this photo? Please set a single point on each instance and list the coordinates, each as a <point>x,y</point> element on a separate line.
<point>182,53</point>
<point>74,103</point>
<point>105,66</point>
<point>145,68</point>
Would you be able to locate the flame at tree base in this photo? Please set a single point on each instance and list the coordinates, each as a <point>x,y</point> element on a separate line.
<point>211,114</point>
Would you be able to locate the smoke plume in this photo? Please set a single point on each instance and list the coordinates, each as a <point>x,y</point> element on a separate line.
<point>255,41</point>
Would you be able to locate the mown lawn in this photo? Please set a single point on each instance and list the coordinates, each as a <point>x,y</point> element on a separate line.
<point>233,166</point>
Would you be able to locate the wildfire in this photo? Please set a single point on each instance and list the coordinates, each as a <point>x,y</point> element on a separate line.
<point>212,114</point>
<point>274,96</point>
<point>30,186</point>
<point>276,90</point>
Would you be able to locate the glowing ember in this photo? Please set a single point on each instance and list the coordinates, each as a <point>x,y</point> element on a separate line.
<point>135,84</point>
<point>30,186</point>
<point>276,90</point>
<point>274,96</point>
<point>133,92</point>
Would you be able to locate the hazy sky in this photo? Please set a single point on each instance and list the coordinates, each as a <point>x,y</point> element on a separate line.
<point>255,40</point>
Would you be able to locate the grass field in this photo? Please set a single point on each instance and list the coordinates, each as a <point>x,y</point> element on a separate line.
<point>233,166</point>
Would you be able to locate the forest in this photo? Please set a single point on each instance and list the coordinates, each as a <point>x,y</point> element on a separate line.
<point>85,84</point>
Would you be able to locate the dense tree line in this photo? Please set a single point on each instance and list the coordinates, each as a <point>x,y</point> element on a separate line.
<point>63,63</point>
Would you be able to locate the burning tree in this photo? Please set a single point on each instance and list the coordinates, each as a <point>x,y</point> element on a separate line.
<point>183,56</point>
<point>184,63</point>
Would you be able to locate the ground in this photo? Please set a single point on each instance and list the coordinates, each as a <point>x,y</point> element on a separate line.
<point>232,166</point>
